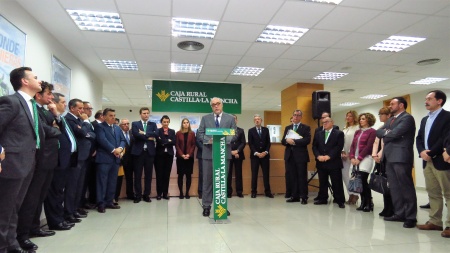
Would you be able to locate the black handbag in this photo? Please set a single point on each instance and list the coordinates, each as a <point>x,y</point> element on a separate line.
<point>355,182</point>
<point>378,180</point>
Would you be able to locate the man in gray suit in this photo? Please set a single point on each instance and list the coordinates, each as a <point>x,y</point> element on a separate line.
<point>20,135</point>
<point>217,119</point>
<point>398,136</point>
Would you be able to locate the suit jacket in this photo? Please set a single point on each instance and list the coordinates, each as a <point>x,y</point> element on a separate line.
<point>83,133</point>
<point>299,151</point>
<point>190,147</point>
<point>141,139</point>
<point>107,141</point>
<point>208,121</point>
<point>17,136</point>
<point>199,146</point>
<point>126,158</point>
<point>447,143</point>
<point>259,144</point>
<point>332,148</point>
<point>165,141</point>
<point>238,143</point>
<point>440,128</point>
<point>399,141</point>
<point>48,154</point>
<point>365,143</point>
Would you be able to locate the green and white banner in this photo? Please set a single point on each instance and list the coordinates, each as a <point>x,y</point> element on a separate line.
<point>181,96</point>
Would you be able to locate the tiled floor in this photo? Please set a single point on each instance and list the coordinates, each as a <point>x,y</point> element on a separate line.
<point>257,225</point>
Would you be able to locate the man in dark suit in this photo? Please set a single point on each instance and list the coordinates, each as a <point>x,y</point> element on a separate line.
<point>327,147</point>
<point>237,157</point>
<point>217,119</point>
<point>259,143</point>
<point>20,135</point>
<point>296,158</point>
<point>430,145</point>
<point>143,151</point>
<point>110,144</point>
<point>398,137</point>
<point>83,131</point>
<point>67,157</point>
<point>46,161</point>
<point>126,161</point>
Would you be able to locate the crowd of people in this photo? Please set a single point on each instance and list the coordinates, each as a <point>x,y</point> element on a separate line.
<point>67,164</point>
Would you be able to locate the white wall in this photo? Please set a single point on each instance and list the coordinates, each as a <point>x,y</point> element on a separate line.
<point>418,110</point>
<point>41,45</point>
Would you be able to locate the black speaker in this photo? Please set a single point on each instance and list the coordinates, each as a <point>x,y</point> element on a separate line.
<point>320,103</point>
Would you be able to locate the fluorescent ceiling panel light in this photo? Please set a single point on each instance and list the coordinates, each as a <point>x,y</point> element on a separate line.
<point>396,43</point>
<point>330,76</point>
<point>348,104</point>
<point>246,71</point>
<point>97,21</point>
<point>105,99</point>
<point>121,65</point>
<point>325,1</point>
<point>281,34</point>
<point>428,80</point>
<point>186,68</point>
<point>373,96</point>
<point>197,28</point>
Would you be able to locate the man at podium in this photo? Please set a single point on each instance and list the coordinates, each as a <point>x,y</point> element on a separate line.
<point>217,119</point>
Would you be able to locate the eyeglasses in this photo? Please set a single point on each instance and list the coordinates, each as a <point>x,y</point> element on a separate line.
<point>88,108</point>
<point>296,115</point>
<point>326,122</point>
<point>125,124</point>
<point>215,104</point>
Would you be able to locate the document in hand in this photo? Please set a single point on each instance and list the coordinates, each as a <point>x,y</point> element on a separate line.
<point>293,135</point>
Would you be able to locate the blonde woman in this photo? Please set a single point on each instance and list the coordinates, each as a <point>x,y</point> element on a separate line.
<point>185,146</point>
<point>351,126</point>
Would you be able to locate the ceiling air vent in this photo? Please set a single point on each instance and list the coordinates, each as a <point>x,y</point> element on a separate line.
<point>190,45</point>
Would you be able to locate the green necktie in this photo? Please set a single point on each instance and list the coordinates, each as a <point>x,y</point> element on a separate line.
<point>295,127</point>
<point>145,126</point>
<point>71,136</point>
<point>36,123</point>
<point>326,135</point>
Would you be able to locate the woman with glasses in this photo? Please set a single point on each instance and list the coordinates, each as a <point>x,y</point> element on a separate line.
<point>377,153</point>
<point>361,156</point>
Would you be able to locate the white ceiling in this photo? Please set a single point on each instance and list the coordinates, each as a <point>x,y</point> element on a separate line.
<point>337,41</point>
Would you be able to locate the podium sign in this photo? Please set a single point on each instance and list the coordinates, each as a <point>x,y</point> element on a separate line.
<point>220,170</point>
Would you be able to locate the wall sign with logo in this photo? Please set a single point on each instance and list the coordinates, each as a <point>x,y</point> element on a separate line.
<point>180,96</point>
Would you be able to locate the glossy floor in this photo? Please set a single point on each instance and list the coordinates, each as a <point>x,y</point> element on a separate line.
<point>257,225</point>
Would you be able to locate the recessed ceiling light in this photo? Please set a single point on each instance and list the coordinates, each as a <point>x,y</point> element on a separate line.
<point>348,104</point>
<point>396,43</point>
<point>428,80</point>
<point>330,76</point>
<point>346,91</point>
<point>281,34</point>
<point>121,65</point>
<point>186,68</point>
<point>97,21</point>
<point>197,28</point>
<point>325,1</point>
<point>428,62</point>
<point>373,96</point>
<point>190,45</point>
<point>246,71</point>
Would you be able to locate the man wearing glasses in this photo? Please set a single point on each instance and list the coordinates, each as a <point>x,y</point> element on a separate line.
<point>296,158</point>
<point>327,147</point>
<point>217,119</point>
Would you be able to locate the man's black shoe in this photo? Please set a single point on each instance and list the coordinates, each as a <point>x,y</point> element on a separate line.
<point>20,250</point>
<point>137,200</point>
<point>72,219</point>
<point>409,224</point>
<point>41,233</point>
<point>79,215</point>
<point>253,195</point>
<point>292,200</point>
<point>304,201</point>
<point>59,227</point>
<point>206,212</point>
<point>269,195</point>
<point>320,202</point>
<point>427,206</point>
<point>341,205</point>
<point>394,218</point>
<point>27,245</point>
<point>240,195</point>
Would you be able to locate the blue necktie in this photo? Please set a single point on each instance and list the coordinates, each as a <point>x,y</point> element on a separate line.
<point>217,120</point>
<point>128,138</point>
